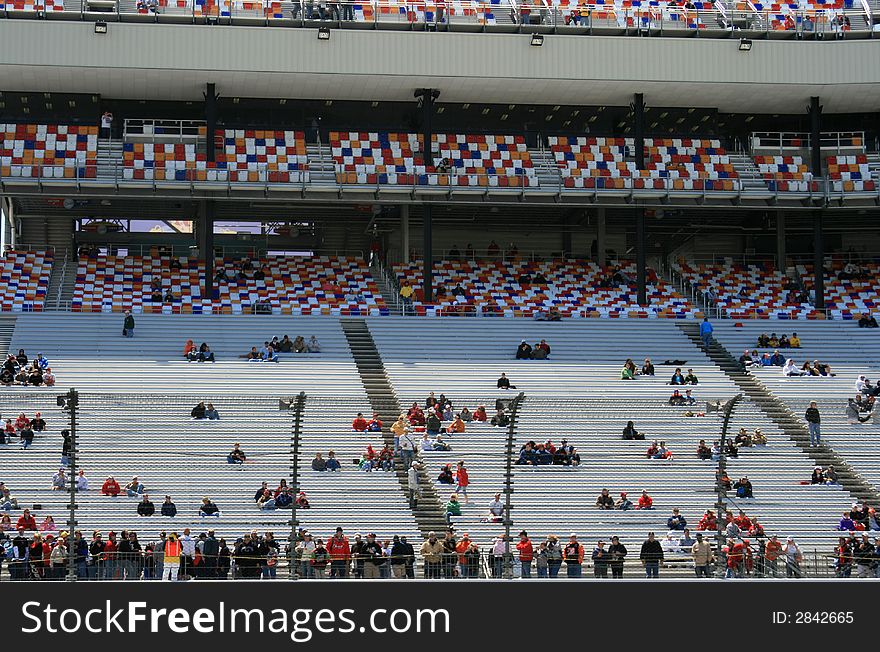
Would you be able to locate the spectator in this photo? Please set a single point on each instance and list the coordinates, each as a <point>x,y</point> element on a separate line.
<point>146,506</point>
<point>793,558</point>
<point>128,325</point>
<point>208,508</point>
<point>374,424</point>
<point>198,412</point>
<point>211,413</point>
<point>691,378</point>
<point>629,371</point>
<point>703,451</point>
<point>134,488</point>
<point>38,424</point>
<point>605,501</point>
<point>706,332</point>
<point>623,503</point>
<point>205,353</point>
<point>480,414</point>
<point>645,501</point>
<point>168,508</point>
<point>500,420</point>
<point>319,464</point>
<point>618,553</point>
<point>504,382</point>
<point>359,424</point>
<point>312,346</point>
<point>743,488</point>
<point>630,432</point>
<point>332,464</point>
<point>676,400</point>
<point>413,488</point>
<point>708,522</point>
<point>648,368</point>
<point>26,521</point>
<point>111,487</point>
<point>59,481</point>
<point>867,321</point>
<point>790,369</point>
<point>573,556</point>
<point>701,551</point>
<point>526,554</point>
<point>676,521</point>
<point>677,377</point>
<point>759,438</point>
<point>813,420</point>
<point>82,483</point>
<point>524,351</point>
<point>496,509</point>
<point>299,345</point>
<point>689,397</point>
<point>652,554</point>
<point>462,480</point>
<point>453,508</point>
<point>271,355</point>
<point>446,475</point>
<point>236,456</point>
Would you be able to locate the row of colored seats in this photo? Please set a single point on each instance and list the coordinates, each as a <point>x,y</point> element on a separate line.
<point>850,173</point>
<point>24,280</point>
<point>48,151</point>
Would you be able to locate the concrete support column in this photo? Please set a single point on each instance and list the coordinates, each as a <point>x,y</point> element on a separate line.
<point>641,267</point>
<point>601,240</point>
<point>205,243</point>
<point>404,234</point>
<point>427,257</point>
<point>780,241</point>
<point>818,262</point>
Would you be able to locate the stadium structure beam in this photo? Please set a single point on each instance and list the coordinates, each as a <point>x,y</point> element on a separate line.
<point>567,223</point>
<point>601,244</point>
<point>780,241</point>
<point>427,97</point>
<point>815,137</point>
<point>818,262</point>
<point>641,246</point>
<point>638,109</point>
<point>211,120</point>
<point>404,234</point>
<point>205,243</point>
<point>427,257</point>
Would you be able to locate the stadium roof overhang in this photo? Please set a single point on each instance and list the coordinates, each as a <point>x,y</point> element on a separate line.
<point>161,62</point>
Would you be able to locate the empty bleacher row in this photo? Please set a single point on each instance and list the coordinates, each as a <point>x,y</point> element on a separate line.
<point>851,352</point>
<point>319,285</point>
<point>573,288</point>
<point>24,280</point>
<point>241,156</point>
<point>48,151</point>
<point>746,291</point>
<point>463,160</point>
<point>576,395</point>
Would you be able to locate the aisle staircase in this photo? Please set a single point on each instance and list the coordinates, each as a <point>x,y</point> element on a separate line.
<point>428,514</point>
<point>782,415</point>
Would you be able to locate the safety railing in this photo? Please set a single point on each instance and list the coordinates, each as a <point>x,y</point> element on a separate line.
<point>786,142</point>
<point>196,176</point>
<point>150,130</point>
<point>677,16</point>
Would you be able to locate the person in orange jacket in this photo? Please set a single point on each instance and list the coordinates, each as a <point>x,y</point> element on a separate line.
<point>734,559</point>
<point>340,554</point>
<point>359,424</point>
<point>771,553</point>
<point>645,501</point>
<point>573,556</point>
<point>461,477</point>
<point>527,554</point>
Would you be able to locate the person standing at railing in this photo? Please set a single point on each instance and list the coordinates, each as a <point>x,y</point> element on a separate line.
<point>347,10</point>
<point>106,125</point>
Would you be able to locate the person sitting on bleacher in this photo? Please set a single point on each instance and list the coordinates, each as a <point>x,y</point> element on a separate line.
<point>35,376</point>
<point>375,424</point>
<point>205,354</point>
<point>777,359</point>
<point>432,423</point>
<point>676,521</point>
<point>818,476</point>
<point>198,412</point>
<point>59,481</point>
<point>808,370</point>
<point>111,487</point>
<point>794,341</point>
<point>38,424</point>
<point>783,342</point>
<point>677,377</point>
<point>662,453</point>
<point>168,509</point>
<point>539,352</point>
<point>500,420</point>
<point>23,376</point>
<point>623,503</point>
<point>41,362</point>
<point>457,426</point>
<point>676,399</point>
<point>629,370</point>
<point>208,508</point>
<point>319,463</point>
<point>691,378</point>
<point>446,476</point>
<point>867,321</point>
<point>146,506</point>
<point>846,524</point>
<point>630,432</point>
<point>49,378</point>
<point>134,488</point>
<point>605,501</point>
<point>708,522</point>
<point>359,424</point>
<point>7,377</point>
<point>743,439</point>
<point>453,508</point>
<point>527,456</point>
<point>313,346</point>
<point>743,488</point>
<point>854,414</point>
<point>236,455</point>
<point>270,355</point>
<point>299,345</point>
<point>21,358</point>
<point>790,369</point>
<point>703,451</point>
<point>645,501</point>
<point>440,445</point>
<point>265,501</point>
<point>480,414</point>
<point>211,413</point>
<point>332,463</point>
<point>648,368</point>
<point>746,359</point>
<point>773,341</point>
<point>415,415</point>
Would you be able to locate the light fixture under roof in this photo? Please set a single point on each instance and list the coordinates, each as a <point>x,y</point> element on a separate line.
<point>537,40</point>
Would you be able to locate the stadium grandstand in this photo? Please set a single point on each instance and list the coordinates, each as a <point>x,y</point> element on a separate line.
<point>500,289</point>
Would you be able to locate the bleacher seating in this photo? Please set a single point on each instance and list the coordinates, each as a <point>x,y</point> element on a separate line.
<point>573,289</point>
<point>24,280</point>
<point>48,151</point>
<point>320,285</point>
<point>786,173</point>
<point>186,459</point>
<point>851,352</point>
<point>274,156</point>
<point>850,173</point>
<point>396,158</point>
<point>846,298</point>
<point>576,395</point>
<point>746,291</point>
<point>676,164</point>
<point>32,5</point>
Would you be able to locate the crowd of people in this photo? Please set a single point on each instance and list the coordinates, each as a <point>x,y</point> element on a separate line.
<point>203,412</point>
<point>536,454</point>
<point>540,351</point>
<point>606,501</point>
<point>19,370</point>
<point>781,342</point>
<point>271,349</point>
<point>23,429</point>
<point>201,353</point>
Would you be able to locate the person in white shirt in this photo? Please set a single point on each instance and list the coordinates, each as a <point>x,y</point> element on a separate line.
<point>407,448</point>
<point>82,482</point>
<point>791,369</point>
<point>496,509</point>
<point>412,484</point>
<point>187,552</point>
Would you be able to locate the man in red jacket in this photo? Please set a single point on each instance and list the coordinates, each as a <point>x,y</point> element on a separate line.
<point>26,521</point>
<point>340,554</point>
<point>359,424</point>
<point>526,554</point>
<point>735,559</point>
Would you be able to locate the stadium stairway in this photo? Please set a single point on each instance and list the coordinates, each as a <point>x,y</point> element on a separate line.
<point>384,401</point>
<point>7,328</point>
<point>782,415</point>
